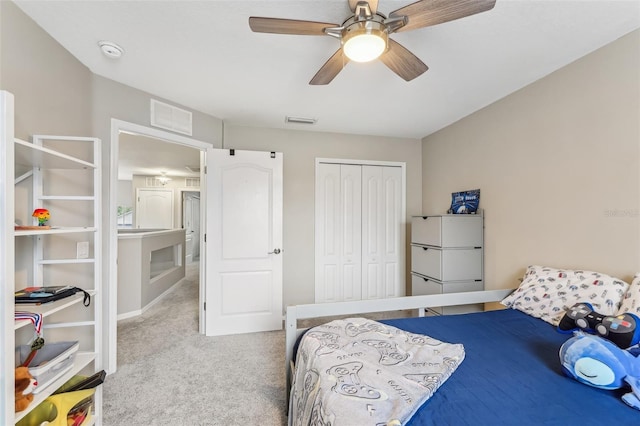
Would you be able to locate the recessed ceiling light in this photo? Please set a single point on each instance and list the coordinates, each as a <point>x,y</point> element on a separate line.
<point>111,49</point>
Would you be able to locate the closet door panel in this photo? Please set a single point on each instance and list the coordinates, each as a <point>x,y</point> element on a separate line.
<point>327,234</point>
<point>338,233</point>
<point>393,232</point>
<point>373,233</point>
<point>392,285</point>
<point>381,239</point>
<point>351,210</point>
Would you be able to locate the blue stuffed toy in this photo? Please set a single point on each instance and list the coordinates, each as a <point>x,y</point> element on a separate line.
<point>598,362</point>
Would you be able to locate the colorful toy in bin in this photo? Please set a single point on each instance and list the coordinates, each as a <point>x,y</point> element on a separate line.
<point>62,409</point>
<point>70,405</point>
<point>25,383</point>
<point>42,215</point>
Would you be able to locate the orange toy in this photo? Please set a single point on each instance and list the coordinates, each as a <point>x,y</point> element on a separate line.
<point>24,386</point>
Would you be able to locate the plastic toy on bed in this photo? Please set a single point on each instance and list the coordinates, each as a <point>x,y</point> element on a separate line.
<point>623,329</point>
<point>597,362</point>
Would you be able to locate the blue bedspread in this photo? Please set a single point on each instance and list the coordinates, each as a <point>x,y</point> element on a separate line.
<point>511,376</point>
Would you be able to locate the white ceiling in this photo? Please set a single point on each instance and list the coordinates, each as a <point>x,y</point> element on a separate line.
<point>202,54</point>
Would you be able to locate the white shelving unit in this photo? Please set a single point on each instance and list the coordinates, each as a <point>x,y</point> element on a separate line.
<point>61,174</point>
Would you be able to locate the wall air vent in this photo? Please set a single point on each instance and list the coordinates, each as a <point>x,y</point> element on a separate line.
<point>172,118</point>
<point>192,182</point>
<point>300,120</point>
<point>151,181</point>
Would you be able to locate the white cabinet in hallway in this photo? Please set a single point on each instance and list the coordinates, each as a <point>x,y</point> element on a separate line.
<point>359,234</point>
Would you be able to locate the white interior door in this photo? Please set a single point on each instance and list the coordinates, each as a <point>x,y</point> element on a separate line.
<point>154,208</point>
<point>244,242</point>
<point>191,224</point>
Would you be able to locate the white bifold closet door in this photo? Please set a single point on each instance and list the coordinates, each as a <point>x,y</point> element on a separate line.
<point>338,232</point>
<point>358,233</point>
<point>381,232</point>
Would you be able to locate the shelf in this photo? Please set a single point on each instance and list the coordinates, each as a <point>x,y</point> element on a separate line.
<point>67,197</point>
<point>28,154</point>
<point>24,176</point>
<point>70,325</point>
<point>50,308</point>
<point>56,230</point>
<point>81,360</point>
<point>65,261</point>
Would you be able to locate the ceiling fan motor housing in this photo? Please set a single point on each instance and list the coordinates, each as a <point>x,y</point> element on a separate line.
<point>364,40</point>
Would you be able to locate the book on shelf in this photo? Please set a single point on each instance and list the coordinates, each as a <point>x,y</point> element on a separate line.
<point>45,294</point>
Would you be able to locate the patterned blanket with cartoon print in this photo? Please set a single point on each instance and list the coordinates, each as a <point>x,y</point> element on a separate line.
<point>359,371</point>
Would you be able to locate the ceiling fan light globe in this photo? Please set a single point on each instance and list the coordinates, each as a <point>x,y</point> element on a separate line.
<point>364,47</point>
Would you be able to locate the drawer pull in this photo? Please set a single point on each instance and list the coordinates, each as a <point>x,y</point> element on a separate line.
<point>425,248</point>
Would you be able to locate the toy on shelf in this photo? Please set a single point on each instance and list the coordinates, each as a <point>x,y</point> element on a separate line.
<point>25,384</point>
<point>42,215</point>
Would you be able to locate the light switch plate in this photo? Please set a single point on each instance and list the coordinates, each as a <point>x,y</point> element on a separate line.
<point>82,250</point>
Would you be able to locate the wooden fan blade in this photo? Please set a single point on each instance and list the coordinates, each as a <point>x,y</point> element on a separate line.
<point>287,26</point>
<point>402,62</point>
<point>373,5</point>
<point>425,13</point>
<point>330,69</point>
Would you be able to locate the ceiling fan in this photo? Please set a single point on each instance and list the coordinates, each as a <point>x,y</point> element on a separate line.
<point>364,36</point>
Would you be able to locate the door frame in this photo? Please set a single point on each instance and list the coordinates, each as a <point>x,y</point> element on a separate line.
<point>110,305</point>
<point>403,213</point>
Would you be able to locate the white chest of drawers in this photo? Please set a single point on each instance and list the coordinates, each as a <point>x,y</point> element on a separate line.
<point>447,257</point>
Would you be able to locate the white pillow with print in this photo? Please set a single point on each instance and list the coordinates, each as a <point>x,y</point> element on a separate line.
<point>631,300</point>
<point>546,292</point>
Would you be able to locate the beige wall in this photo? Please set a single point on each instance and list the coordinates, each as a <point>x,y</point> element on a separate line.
<point>52,89</point>
<point>114,100</point>
<point>558,165</point>
<point>300,149</point>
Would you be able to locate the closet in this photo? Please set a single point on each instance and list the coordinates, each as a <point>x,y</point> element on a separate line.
<point>359,230</point>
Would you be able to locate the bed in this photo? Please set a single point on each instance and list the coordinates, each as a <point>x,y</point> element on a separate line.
<point>511,373</point>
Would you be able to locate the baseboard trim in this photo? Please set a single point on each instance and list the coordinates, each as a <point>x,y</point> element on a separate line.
<point>139,312</point>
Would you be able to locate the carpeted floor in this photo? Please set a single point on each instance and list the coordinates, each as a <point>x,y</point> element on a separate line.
<point>168,374</point>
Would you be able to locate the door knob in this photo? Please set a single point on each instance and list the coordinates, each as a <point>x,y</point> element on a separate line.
<point>276,251</point>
